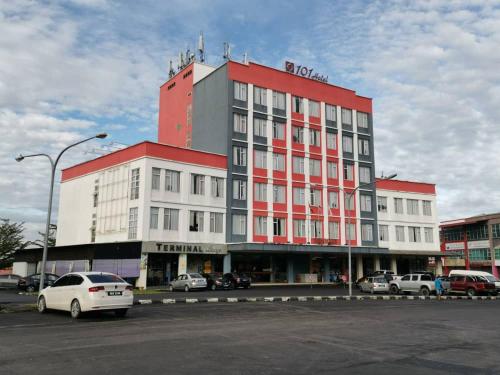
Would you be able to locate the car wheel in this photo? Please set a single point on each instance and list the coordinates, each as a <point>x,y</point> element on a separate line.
<point>76,310</point>
<point>424,291</point>
<point>186,288</point>
<point>471,292</point>
<point>30,288</point>
<point>42,306</point>
<point>120,313</point>
<point>171,288</point>
<point>394,289</point>
<point>213,287</point>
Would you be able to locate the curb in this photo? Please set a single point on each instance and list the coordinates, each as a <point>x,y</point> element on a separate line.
<point>307,299</point>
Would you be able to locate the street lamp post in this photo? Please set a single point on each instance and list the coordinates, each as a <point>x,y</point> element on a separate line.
<point>348,232</point>
<point>53,165</point>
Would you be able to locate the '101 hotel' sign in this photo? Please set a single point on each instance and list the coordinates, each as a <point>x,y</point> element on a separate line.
<point>304,71</point>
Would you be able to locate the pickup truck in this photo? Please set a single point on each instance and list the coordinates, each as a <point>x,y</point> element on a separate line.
<point>421,283</point>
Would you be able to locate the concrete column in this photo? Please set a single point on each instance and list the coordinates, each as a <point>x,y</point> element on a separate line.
<point>326,270</point>
<point>182,268</point>
<point>359,266</point>
<point>376,263</point>
<point>289,270</point>
<point>394,265</point>
<point>439,266</point>
<point>226,266</point>
<point>271,266</point>
<point>141,282</point>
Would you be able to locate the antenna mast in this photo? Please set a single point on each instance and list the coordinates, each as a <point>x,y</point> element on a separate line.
<point>201,47</point>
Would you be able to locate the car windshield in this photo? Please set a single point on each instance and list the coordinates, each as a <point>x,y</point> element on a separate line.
<point>491,279</point>
<point>196,276</point>
<point>104,278</point>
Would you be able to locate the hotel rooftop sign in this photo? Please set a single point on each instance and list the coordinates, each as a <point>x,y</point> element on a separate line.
<point>304,71</point>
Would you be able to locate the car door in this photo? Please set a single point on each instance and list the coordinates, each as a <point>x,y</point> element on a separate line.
<point>414,285</point>
<point>70,291</point>
<point>403,283</point>
<point>458,283</point>
<point>179,282</point>
<point>54,294</point>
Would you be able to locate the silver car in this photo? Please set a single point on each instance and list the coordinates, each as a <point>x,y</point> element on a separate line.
<point>187,282</point>
<point>9,281</point>
<point>374,284</point>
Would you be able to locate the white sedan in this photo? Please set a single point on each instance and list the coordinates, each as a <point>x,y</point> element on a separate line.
<point>80,292</point>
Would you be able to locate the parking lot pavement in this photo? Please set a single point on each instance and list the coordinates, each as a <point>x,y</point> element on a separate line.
<point>372,337</point>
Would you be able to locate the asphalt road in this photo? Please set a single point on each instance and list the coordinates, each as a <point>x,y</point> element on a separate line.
<point>349,337</point>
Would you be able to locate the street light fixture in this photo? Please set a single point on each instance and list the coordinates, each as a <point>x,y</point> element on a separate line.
<point>348,231</point>
<point>53,165</point>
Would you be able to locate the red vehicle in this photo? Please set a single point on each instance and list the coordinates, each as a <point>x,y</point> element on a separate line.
<point>472,285</point>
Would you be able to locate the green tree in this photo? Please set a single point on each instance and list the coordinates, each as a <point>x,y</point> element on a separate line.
<point>11,240</point>
<point>52,237</point>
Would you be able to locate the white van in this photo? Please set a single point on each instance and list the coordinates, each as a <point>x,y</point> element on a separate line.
<point>486,275</point>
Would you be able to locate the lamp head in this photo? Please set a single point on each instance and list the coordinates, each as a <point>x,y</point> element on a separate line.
<point>20,158</point>
<point>101,135</point>
<point>391,176</point>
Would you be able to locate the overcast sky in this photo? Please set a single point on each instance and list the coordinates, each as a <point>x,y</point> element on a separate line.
<point>72,69</point>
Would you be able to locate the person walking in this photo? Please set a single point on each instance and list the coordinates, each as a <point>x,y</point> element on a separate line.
<point>439,287</point>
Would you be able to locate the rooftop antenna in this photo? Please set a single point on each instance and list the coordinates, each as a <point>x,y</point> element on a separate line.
<point>171,71</point>
<point>188,56</point>
<point>227,51</point>
<point>245,58</point>
<point>201,47</point>
<point>181,61</point>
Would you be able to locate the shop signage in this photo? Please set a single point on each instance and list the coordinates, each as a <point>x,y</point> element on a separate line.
<point>455,246</point>
<point>304,71</point>
<point>184,248</point>
<point>478,244</point>
<point>431,261</point>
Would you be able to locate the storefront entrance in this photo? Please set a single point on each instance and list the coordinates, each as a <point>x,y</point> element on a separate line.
<point>162,268</point>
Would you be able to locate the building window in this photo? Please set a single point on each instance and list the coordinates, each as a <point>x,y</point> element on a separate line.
<point>363,147</point>
<point>132,223</point>
<point>155,180</point>
<point>92,234</point>
<point>239,189</point>
<point>240,91</point>
<point>429,235</point>
<point>298,164</point>
<point>495,231</point>
<point>331,141</point>
<point>278,194</point>
<point>348,202</point>
<point>479,254</point>
<point>297,104</point>
<point>134,184</point>
<point>278,130</point>
<point>347,144</point>
<point>414,234</point>
<point>383,232</point>
<point>260,159</point>
<point>279,100</point>
<point>260,127</point>
<point>196,221</point>
<point>381,204</point>
<point>278,162</point>
<point>333,199</point>
<point>170,219</point>
<point>316,229</point>
<point>172,181</point>
<point>153,217</point>
<point>365,202</point>
<point>313,108</point>
<point>298,196</point>
<point>426,206</point>
<point>333,230</point>
<point>477,232</point>
<point>400,233</point>
<point>331,169</point>
<point>96,193</point>
<point>216,222</point>
<point>261,225</point>
<point>279,226</point>
<point>314,167</point>
<point>364,175</point>
<point>315,197</point>
<point>298,134</point>
<point>331,112</point>
<point>240,123</point>
<point>398,205</point>
<point>217,187</point>
<point>239,225</point>
<point>240,156</point>
<point>362,120</point>
<point>412,206</point>
<point>260,192</point>
<point>197,184</point>
<point>348,172</point>
<point>346,116</point>
<point>350,231</point>
<point>367,232</point>
<point>259,95</point>
<point>314,138</point>
<point>299,228</point>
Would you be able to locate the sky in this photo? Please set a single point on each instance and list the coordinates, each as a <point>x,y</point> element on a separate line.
<point>72,69</point>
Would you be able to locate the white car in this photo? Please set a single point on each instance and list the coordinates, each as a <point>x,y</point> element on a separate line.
<point>188,281</point>
<point>374,284</point>
<point>79,292</point>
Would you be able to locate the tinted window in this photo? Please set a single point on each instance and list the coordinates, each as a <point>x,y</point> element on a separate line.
<point>51,277</point>
<point>75,280</point>
<point>470,279</point>
<point>96,279</point>
<point>426,278</point>
<point>414,278</point>
<point>63,281</point>
<point>195,275</point>
<point>406,278</point>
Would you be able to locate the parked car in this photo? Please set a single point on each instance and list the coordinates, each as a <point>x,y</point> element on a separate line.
<point>216,281</point>
<point>79,292</point>
<point>9,281</point>
<point>31,283</point>
<point>487,275</point>
<point>389,275</point>
<point>187,282</point>
<point>374,284</point>
<point>422,283</point>
<point>238,280</point>
<point>472,285</point>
